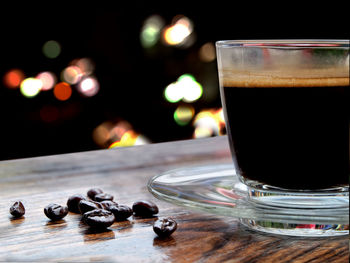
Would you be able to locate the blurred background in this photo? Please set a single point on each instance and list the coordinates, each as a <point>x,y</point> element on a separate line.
<point>89,77</point>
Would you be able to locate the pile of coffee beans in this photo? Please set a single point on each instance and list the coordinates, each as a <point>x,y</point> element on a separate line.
<point>99,211</point>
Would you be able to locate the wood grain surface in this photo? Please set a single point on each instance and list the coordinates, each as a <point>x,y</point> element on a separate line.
<point>124,173</point>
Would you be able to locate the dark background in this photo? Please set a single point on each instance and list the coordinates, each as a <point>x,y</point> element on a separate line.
<point>132,78</point>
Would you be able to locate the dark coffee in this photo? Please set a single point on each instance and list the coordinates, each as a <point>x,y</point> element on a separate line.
<point>291,137</point>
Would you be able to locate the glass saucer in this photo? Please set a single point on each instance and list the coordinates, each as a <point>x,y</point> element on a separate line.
<point>216,189</point>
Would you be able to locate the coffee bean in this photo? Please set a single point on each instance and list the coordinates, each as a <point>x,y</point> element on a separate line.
<point>164,227</point>
<point>103,197</point>
<point>73,203</point>
<point>121,212</point>
<point>145,208</point>
<point>99,218</point>
<point>86,205</point>
<point>55,211</point>
<point>17,209</point>
<point>94,191</point>
<point>107,204</point>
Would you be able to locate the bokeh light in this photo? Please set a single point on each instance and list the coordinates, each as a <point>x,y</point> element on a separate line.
<point>30,87</point>
<point>120,134</point>
<point>141,140</point>
<point>178,33</point>
<point>207,52</point>
<point>209,123</point>
<point>89,86</point>
<point>86,65</point>
<point>13,78</point>
<point>62,91</point>
<point>51,49</point>
<point>48,80</point>
<point>129,138</point>
<point>71,74</point>
<point>186,88</point>
<point>183,114</point>
<point>173,93</point>
<point>192,90</point>
<point>101,134</point>
<point>202,132</point>
<point>150,32</point>
<point>117,131</point>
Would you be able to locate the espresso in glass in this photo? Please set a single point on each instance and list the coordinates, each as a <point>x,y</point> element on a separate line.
<point>289,133</point>
<point>287,110</point>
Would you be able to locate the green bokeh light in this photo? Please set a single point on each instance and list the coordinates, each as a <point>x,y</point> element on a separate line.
<point>51,49</point>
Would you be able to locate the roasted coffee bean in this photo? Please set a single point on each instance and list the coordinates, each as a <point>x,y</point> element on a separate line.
<point>99,218</point>
<point>55,211</point>
<point>86,205</point>
<point>94,191</point>
<point>145,208</point>
<point>107,204</point>
<point>121,212</point>
<point>73,203</point>
<point>17,209</point>
<point>164,227</point>
<point>103,197</point>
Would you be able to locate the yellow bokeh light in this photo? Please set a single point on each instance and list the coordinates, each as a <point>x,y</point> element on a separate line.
<point>220,116</point>
<point>183,114</point>
<point>178,32</point>
<point>202,132</point>
<point>30,87</point>
<point>120,134</point>
<point>129,138</point>
<point>209,123</point>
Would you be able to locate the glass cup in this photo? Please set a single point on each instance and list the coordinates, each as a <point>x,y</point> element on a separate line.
<point>287,109</point>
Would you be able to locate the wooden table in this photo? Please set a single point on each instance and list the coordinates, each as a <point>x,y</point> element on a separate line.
<point>124,172</point>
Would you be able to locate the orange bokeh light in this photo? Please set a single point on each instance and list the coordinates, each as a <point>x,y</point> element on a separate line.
<point>62,91</point>
<point>13,78</point>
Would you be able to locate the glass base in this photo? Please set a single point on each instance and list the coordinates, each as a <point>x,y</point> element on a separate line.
<point>218,190</point>
<point>263,194</point>
<point>266,195</point>
<point>300,230</point>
